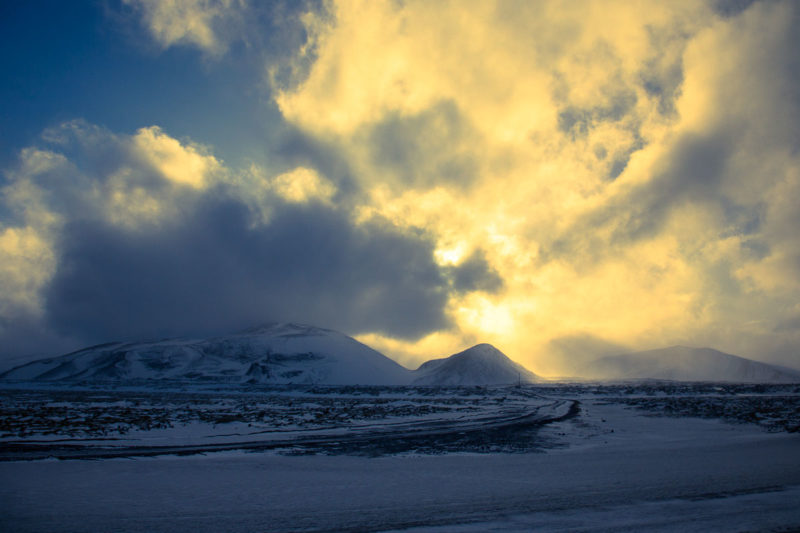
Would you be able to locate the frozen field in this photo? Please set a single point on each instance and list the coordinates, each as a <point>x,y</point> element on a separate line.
<point>126,422</point>
<point>552,458</point>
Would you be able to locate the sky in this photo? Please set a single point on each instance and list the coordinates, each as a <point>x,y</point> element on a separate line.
<point>562,179</point>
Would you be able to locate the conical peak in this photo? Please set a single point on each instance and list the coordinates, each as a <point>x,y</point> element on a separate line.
<point>482,350</point>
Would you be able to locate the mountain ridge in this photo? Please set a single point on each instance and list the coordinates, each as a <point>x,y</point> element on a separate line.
<point>279,353</point>
<point>273,353</point>
<point>292,353</point>
<point>686,363</point>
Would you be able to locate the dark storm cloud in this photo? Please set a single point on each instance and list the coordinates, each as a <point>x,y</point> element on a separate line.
<point>476,274</point>
<point>25,338</point>
<point>293,148</point>
<point>213,271</point>
<point>427,149</point>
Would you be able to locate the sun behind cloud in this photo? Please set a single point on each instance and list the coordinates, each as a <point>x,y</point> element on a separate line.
<point>596,153</point>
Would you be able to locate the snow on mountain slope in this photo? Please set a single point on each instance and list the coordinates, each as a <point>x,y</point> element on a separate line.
<point>483,364</point>
<point>681,363</point>
<point>274,353</point>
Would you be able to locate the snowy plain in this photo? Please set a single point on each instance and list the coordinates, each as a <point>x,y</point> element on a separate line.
<point>617,464</point>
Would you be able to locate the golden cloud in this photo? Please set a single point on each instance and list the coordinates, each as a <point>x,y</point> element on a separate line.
<point>613,160</point>
<point>302,185</point>
<point>190,22</point>
<point>27,262</point>
<point>187,164</point>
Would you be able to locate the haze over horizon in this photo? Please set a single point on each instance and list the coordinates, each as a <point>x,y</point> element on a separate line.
<point>558,179</point>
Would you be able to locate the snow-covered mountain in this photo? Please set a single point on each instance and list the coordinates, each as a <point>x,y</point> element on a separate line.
<point>274,353</point>
<point>483,364</point>
<point>681,363</point>
<point>301,354</point>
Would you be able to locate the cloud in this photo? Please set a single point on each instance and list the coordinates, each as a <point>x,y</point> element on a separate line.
<point>246,34</point>
<point>113,235</point>
<point>302,185</point>
<point>26,264</point>
<point>476,274</point>
<point>88,172</point>
<point>201,23</point>
<point>213,270</point>
<point>82,174</point>
<point>626,169</point>
<point>184,164</point>
<point>570,354</point>
<point>433,147</point>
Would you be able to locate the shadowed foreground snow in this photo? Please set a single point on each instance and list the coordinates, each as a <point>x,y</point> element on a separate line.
<point>649,473</point>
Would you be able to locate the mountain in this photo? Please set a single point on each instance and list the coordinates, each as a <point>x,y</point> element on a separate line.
<point>271,354</point>
<point>274,353</point>
<point>681,363</point>
<point>483,364</point>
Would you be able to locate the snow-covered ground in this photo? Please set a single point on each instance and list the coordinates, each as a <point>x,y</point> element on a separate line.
<point>74,423</point>
<point>618,464</point>
<point>761,511</point>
